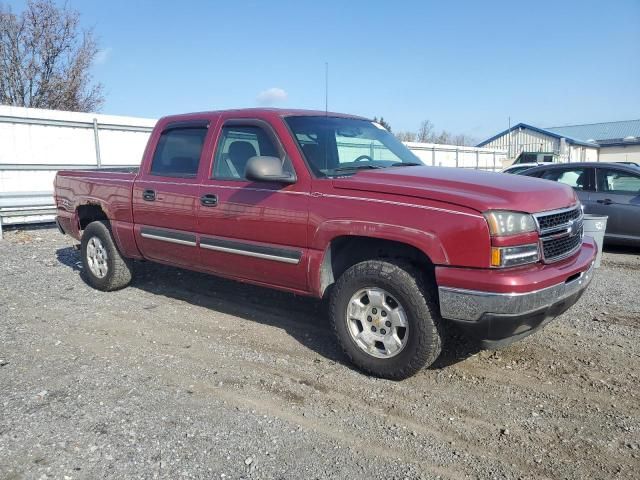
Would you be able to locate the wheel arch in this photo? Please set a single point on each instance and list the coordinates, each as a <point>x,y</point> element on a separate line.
<point>343,250</point>
<point>90,212</point>
<point>122,232</point>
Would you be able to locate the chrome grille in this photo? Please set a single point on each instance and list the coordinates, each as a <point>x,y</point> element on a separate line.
<point>560,220</point>
<point>560,233</point>
<point>558,247</point>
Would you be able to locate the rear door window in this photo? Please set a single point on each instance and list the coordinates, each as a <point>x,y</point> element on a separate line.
<point>577,178</point>
<point>178,152</point>
<point>618,181</point>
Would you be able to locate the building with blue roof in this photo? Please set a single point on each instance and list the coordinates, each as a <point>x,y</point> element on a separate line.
<point>618,141</point>
<point>604,142</point>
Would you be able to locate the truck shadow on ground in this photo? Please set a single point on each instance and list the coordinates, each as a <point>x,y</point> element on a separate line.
<point>303,318</point>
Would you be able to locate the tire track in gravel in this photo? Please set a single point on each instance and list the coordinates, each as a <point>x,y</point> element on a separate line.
<point>259,332</point>
<point>125,333</point>
<point>473,423</point>
<point>255,398</point>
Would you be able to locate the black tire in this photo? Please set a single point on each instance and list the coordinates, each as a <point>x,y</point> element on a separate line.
<point>119,270</point>
<point>405,283</point>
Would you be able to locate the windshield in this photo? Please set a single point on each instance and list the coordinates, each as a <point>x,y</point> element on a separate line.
<point>339,146</point>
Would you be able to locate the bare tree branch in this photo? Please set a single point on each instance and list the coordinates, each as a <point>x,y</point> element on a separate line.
<point>427,134</point>
<point>46,60</point>
<point>406,136</point>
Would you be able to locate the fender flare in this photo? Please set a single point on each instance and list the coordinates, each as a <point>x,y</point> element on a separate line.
<point>320,252</point>
<point>424,240</point>
<point>122,231</point>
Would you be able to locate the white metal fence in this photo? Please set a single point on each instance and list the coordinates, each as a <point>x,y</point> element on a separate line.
<point>439,155</point>
<point>35,144</point>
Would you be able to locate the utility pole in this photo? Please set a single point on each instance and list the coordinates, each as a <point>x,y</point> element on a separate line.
<point>509,153</point>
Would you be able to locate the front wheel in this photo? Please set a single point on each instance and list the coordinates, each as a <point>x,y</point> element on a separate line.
<point>386,319</point>
<point>104,267</point>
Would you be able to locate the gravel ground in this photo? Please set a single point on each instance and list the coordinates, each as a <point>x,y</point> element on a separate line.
<point>191,376</point>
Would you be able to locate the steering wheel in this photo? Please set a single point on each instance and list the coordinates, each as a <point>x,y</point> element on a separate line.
<point>363,157</point>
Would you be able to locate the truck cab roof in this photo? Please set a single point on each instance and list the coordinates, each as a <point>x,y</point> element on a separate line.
<point>263,112</point>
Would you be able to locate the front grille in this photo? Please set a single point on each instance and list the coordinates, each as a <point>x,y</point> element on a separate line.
<point>557,248</point>
<point>560,233</point>
<point>558,220</point>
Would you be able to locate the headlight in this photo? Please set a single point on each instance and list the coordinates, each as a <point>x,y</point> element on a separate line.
<point>512,256</point>
<point>503,223</point>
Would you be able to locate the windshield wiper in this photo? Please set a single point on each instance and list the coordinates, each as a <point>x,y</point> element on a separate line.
<point>405,164</point>
<point>357,167</point>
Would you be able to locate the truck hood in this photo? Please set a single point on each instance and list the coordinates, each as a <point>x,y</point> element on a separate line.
<point>474,189</point>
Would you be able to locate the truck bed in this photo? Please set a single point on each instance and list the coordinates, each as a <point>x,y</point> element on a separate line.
<point>109,188</point>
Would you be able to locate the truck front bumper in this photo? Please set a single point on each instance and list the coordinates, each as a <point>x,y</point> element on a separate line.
<point>499,318</point>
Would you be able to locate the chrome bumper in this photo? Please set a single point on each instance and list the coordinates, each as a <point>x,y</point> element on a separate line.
<point>471,305</point>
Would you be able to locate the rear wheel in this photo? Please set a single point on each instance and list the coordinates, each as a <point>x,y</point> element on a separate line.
<point>386,318</point>
<point>104,267</point>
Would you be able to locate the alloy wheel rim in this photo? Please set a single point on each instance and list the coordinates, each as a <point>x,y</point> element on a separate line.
<point>97,257</point>
<point>377,322</point>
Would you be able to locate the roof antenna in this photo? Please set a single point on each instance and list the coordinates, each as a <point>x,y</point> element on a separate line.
<point>326,88</point>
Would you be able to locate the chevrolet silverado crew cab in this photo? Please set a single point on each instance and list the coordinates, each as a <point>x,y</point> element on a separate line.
<point>332,205</point>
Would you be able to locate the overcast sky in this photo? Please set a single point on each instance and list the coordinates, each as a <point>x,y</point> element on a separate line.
<point>466,66</point>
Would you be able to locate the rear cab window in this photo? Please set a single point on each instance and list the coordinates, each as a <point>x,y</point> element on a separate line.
<point>178,152</point>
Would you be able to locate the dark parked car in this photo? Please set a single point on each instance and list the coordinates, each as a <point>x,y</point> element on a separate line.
<point>519,167</point>
<point>633,164</point>
<point>611,189</point>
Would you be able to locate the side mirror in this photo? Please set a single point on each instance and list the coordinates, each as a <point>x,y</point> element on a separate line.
<point>267,169</point>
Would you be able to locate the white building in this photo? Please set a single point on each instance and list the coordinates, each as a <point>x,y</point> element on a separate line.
<point>526,143</point>
<point>604,142</point>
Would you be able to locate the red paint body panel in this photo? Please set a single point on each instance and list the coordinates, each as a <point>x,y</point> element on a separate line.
<point>475,189</point>
<point>110,190</point>
<point>263,214</point>
<point>436,210</point>
<point>433,227</point>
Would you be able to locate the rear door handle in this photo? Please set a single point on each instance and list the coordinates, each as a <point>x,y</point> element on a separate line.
<point>209,200</point>
<point>605,201</point>
<point>149,195</point>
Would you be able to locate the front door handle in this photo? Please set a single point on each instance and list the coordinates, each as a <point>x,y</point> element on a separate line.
<point>605,201</point>
<point>209,200</point>
<point>149,195</point>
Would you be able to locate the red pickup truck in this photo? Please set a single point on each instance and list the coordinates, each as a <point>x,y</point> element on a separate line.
<point>332,205</point>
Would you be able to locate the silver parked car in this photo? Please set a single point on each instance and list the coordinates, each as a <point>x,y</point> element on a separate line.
<point>611,189</point>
